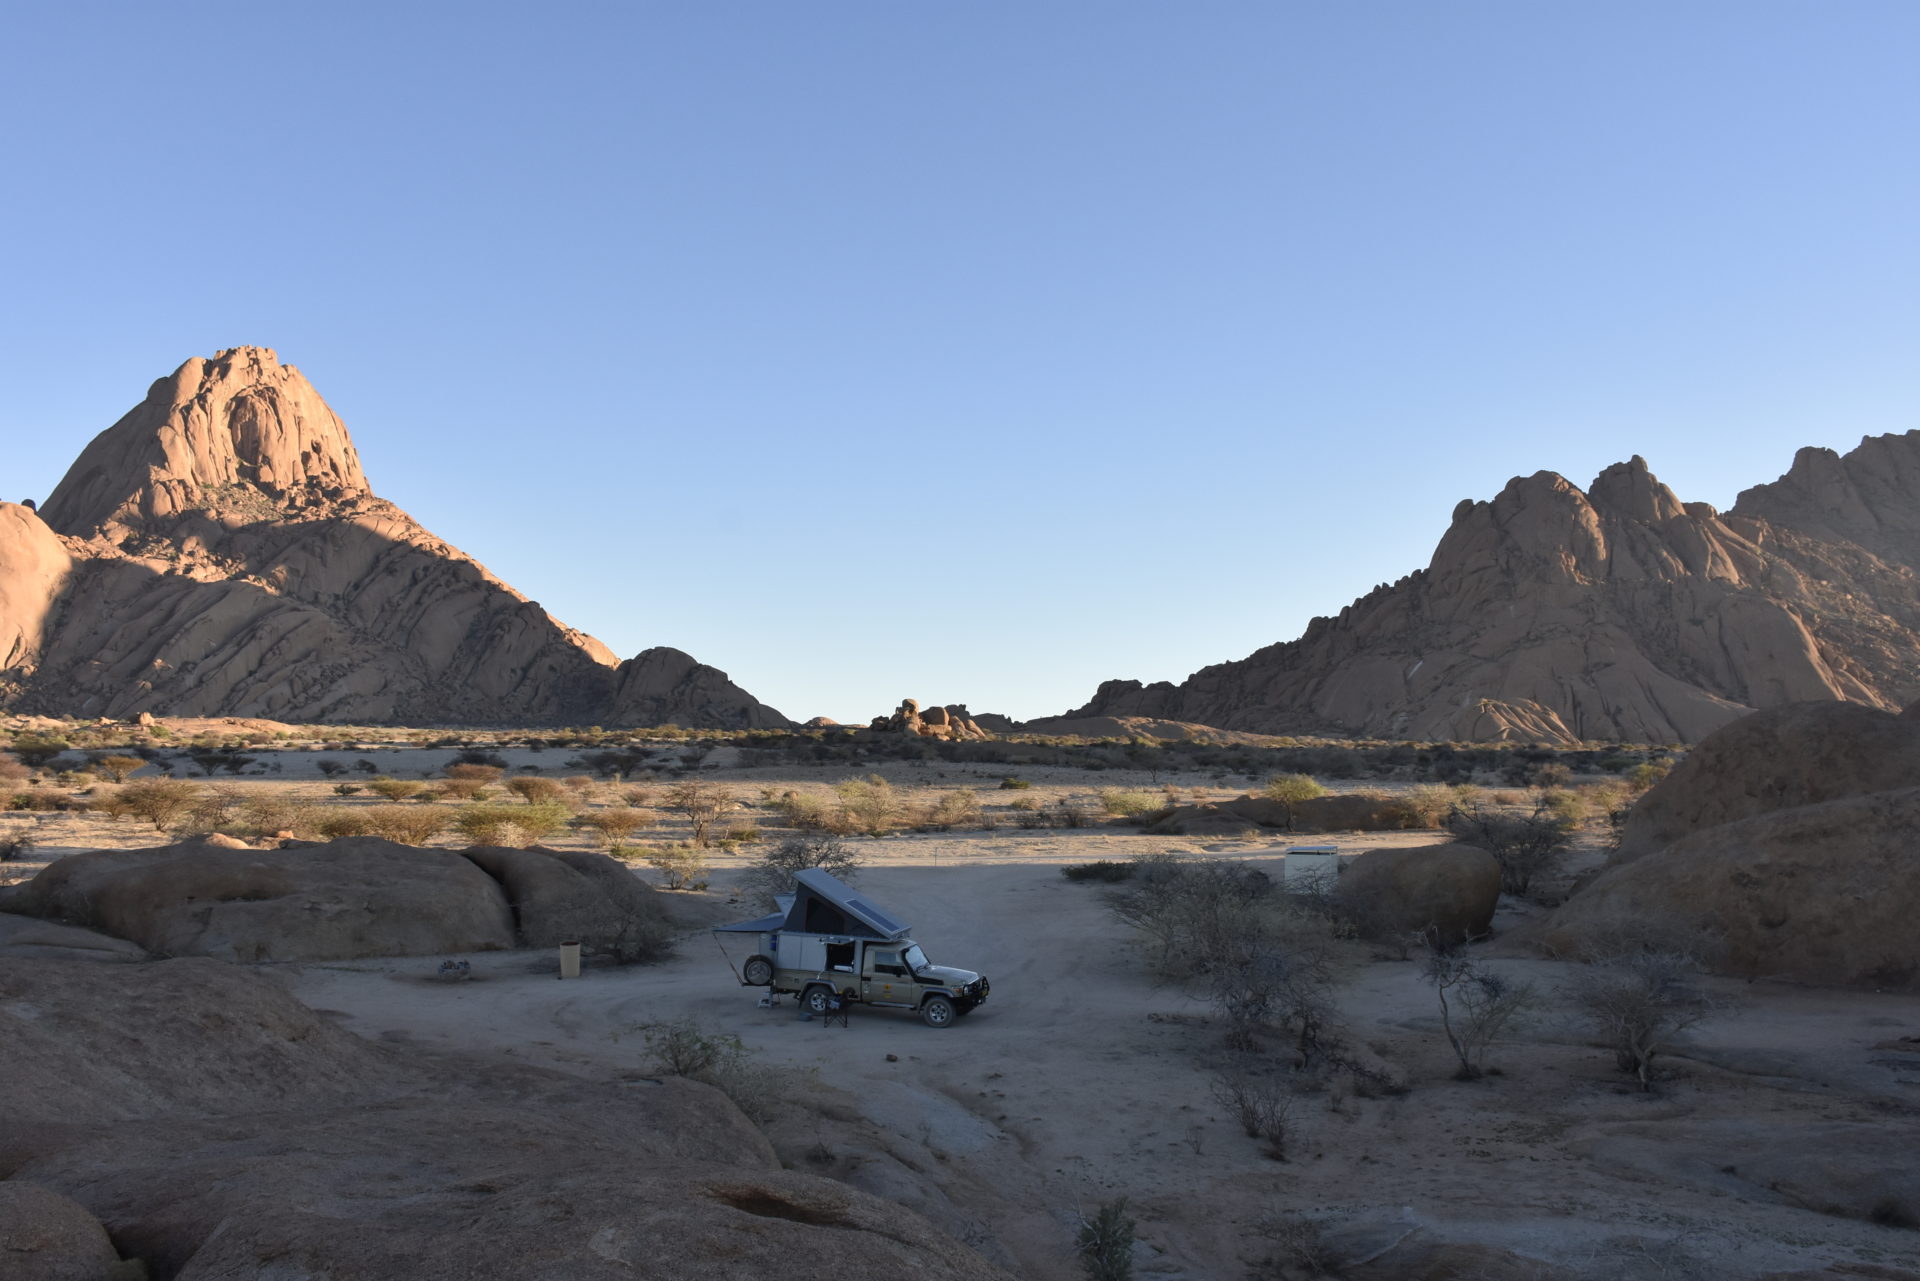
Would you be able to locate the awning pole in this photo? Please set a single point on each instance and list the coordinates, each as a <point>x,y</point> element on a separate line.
<point>728,959</point>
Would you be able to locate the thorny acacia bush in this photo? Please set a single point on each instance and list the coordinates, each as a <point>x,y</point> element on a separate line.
<point>1638,1000</point>
<point>1263,960</point>
<point>702,802</point>
<point>508,824</point>
<point>870,805</point>
<point>957,808</point>
<point>1476,1005</point>
<point>161,801</point>
<point>684,865</point>
<point>612,826</point>
<point>775,871</point>
<point>719,1059</point>
<point>1525,845</point>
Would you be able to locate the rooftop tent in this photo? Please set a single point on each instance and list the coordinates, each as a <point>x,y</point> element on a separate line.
<point>823,904</point>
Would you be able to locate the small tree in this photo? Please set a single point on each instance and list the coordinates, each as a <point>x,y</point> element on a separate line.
<point>1290,789</point>
<point>702,802</point>
<point>533,790</point>
<point>775,872</point>
<point>37,751</point>
<point>1525,845</point>
<point>611,827</point>
<point>395,789</point>
<point>117,768</point>
<point>1639,1001</point>
<point>161,801</point>
<point>1475,1006</point>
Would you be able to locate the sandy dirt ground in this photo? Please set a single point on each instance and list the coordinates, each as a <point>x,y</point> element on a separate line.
<point>1083,1079</point>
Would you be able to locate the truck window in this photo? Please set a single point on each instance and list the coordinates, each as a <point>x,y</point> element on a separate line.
<point>914,959</point>
<point>839,956</point>
<point>887,963</point>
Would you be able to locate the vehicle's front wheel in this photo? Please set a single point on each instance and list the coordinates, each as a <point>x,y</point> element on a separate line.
<point>938,1012</point>
<point>818,1000</point>
<point>758,971</point>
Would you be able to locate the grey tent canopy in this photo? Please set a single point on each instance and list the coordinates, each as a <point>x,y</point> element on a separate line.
<point>822,904</point>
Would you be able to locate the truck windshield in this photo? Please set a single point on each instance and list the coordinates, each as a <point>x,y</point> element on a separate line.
<point>916,959</point>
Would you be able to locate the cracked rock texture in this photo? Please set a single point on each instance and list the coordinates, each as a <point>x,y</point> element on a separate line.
<point>1619,613</point>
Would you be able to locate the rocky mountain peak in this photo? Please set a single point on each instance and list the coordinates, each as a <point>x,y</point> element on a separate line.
<point>1630,491</point>
<point>225,432</point>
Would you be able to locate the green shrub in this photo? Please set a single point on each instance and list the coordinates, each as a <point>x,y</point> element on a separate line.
<point>683,865</point>
<point>407,824</point>
<point>534,790</point>
<point>1100,870</point>
<point>869,805</point>
<point>1125,804</point>
<point>395,789</point>
<point>612,826</point>
<point>1014,784</point>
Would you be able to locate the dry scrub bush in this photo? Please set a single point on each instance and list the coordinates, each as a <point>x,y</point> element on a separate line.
<point>1260,1104</point>
<point>684,865</point>
<point>1639,1001</point>
<point>959,808</point>
<point>407,824</point>
<point>508,824</point>
<point>535,790</point>
<point>1476,1005</point>
<point>1125,804</point>
<point>12,771</point>
<point>117,768</point>
<point>775,871</point>
<point>462,789</point>
<point>869,805</point>
<point>395,789</point>
<point>702,802</point>
<point>161,801</point>
<point>40,798</point>
<point>612,827</point>
<point>721,1060</point>
<point>15,841</point>
<point>471,773</point>
<point>1525,845</point>
<point>1430,803</point>
<point>1262,960</point>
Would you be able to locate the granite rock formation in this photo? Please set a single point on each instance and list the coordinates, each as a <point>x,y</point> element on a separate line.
<point>216,1126</point>
<point>936,722</point>
<point>1615,614</point>
<point>219,552</point>
<point>355,897</point>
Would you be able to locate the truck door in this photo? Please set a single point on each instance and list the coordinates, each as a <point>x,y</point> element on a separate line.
<point>886,981</point>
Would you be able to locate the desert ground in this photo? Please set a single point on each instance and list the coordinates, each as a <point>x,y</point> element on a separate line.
<point>1777,1139</point>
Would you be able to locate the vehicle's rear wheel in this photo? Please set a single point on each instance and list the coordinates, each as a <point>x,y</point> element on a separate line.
<point>938,1012</point>
<point>758,971</point>
<point>818,1000</point>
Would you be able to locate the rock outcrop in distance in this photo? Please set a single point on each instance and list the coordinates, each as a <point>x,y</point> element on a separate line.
<point>219,552</point>
<point>1616,614</point>
<point>949,722</point>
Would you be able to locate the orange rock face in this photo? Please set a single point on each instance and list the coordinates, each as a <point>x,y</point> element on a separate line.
<point>218,552</point>
<point>1619,613</point>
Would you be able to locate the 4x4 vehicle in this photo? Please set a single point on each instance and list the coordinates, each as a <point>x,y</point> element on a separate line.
<point>827,945</point>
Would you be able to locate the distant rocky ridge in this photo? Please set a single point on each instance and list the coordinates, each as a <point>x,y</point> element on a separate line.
<point>1615,614</point>
<point>219,552</point>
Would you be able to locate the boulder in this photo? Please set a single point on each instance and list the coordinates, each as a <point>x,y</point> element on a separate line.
<point>1823,894</point>
<point>936,722</point>
<point>556,895</point>
<point>84,1044</point>
<point>45,1236</point>
<point>361,896</point>
<point>26,938</point>
<point>1801,754</point>
<point>217,1127</point>
<point>1448,892</point>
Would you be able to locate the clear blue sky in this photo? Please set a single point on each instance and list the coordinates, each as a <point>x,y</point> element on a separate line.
<point>972,351</point>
